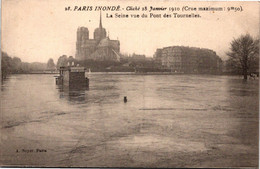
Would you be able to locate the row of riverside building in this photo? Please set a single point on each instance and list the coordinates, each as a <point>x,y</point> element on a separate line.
<point>173,58</point>
<point>189,59</point>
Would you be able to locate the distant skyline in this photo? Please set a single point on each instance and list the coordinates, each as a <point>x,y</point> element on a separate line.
<point>38,30</point>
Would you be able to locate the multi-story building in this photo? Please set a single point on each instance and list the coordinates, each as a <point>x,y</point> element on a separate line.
<point>100,48</point>
<point>189,59</point>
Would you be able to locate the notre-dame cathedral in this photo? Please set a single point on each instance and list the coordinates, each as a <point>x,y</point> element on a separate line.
<point>100,48</point>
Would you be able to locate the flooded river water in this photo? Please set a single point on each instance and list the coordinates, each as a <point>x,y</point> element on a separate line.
<point>168,121</point>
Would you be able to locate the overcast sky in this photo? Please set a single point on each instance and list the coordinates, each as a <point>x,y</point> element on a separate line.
<point>38,30</point>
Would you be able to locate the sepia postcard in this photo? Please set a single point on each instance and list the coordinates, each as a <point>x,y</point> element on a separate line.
<point>129,83</point>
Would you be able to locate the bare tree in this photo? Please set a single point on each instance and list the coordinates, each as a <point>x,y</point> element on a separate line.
<point>243,53</point>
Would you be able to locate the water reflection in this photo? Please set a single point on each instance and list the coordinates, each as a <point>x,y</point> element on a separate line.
<point>4,83</point>
<point>239,87</point>
<point>75,94</point>
<point>242,97</point>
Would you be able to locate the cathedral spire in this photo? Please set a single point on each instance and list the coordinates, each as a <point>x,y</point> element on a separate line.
<point>100,21</point>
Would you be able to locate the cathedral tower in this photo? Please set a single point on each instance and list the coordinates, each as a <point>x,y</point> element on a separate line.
<point>99,48</point>
<point>100,32</point>
<point>82,38</point>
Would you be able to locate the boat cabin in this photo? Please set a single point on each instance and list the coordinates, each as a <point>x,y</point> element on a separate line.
<point>72,76</point>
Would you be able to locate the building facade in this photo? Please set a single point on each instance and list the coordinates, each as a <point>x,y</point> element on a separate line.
<point>189,59</point>
<point>100,48</point>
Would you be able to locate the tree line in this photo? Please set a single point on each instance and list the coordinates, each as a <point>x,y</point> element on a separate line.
<point>14,65</point>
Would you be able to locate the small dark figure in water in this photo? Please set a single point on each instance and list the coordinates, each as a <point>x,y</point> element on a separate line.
<point>252,75</point>
<point>125,99</point>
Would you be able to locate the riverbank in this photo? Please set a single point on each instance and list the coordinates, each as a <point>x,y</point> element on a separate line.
<point>131,73</point>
